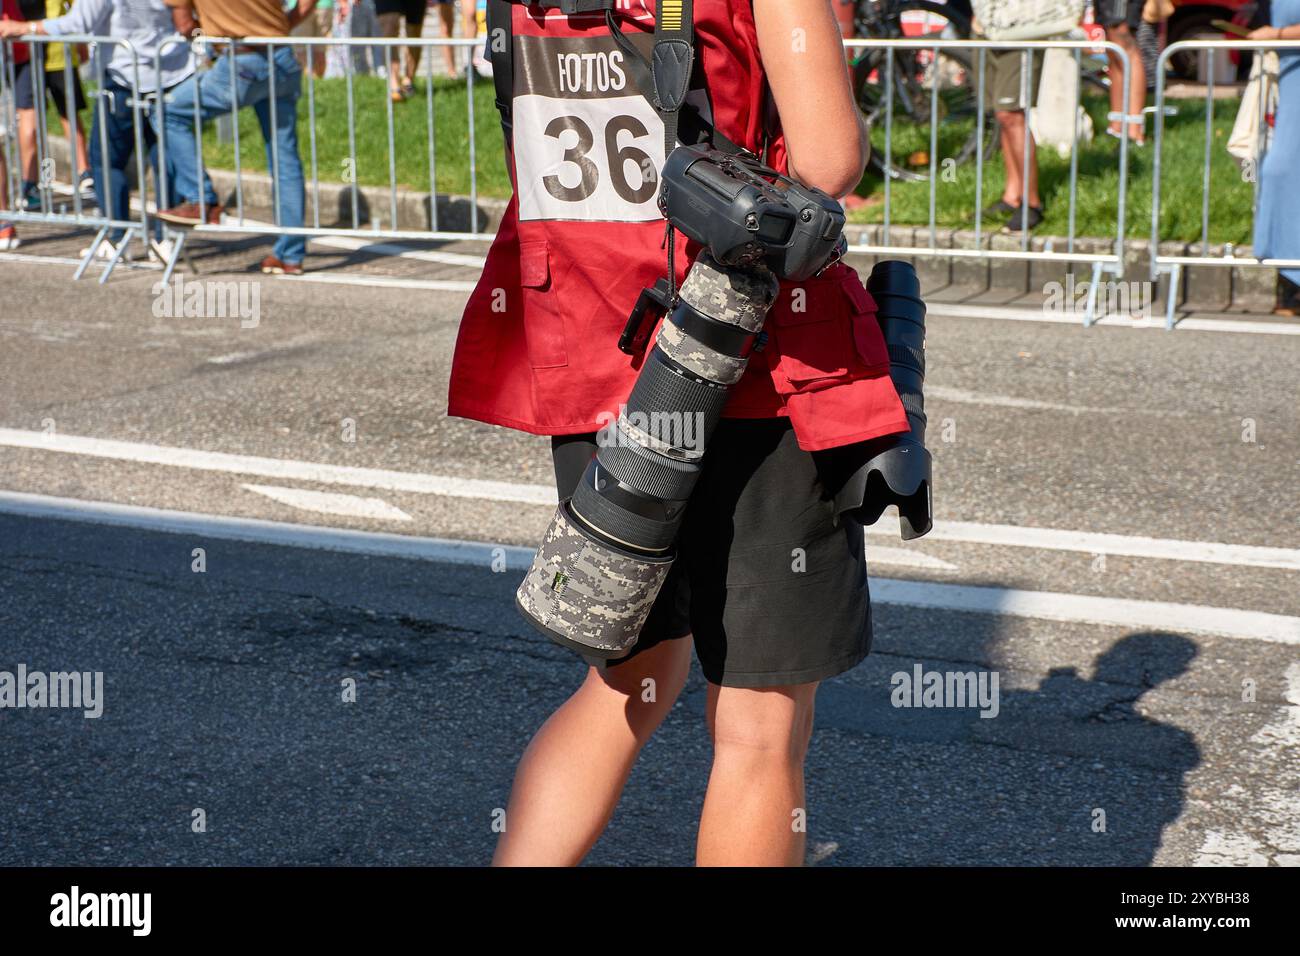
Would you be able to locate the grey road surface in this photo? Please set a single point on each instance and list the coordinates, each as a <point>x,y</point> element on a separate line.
<point>1149,706</point>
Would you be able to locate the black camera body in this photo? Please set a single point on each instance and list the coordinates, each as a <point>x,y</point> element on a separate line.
<point>745,213</point>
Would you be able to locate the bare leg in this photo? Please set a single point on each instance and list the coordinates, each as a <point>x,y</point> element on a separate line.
<point>1137,98</point>
<point>413,32</point>
<point>83,161</point>
<point>1012,133</point>
<point>469,24</point>
<point>8,234</point>
<point>755,799</point>
<point>27,143</point>
<point>390,25</point>
<point>447,16</point>
<point>573,771</point>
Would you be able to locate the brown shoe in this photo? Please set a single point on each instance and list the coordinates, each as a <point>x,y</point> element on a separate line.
<point>272,266</point>
<point>188,214</point>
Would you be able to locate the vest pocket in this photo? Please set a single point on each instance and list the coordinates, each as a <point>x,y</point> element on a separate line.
<point>814,347</point>
<point>867,337</point>
<point>543,322</point>
<point>826,334</point>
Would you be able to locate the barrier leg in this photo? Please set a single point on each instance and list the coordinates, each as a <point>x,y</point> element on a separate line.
<point>90,253</point>
<point>118,253</point>
<point>178,247</point>
<point>1171,300</point>
<point>1090,314</point>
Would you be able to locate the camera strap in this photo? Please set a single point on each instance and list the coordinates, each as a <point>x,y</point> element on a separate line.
<point>664,80</point>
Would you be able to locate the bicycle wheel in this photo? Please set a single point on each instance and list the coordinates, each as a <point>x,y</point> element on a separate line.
<point>911,86</point>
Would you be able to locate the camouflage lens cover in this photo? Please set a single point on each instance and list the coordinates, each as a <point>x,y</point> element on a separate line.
<point>586,595</point>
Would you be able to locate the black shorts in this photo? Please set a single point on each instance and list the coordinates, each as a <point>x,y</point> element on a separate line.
<point>1111,13</point>
<point>411,10</point>
<point>55,89</point>
<point>771,585</point>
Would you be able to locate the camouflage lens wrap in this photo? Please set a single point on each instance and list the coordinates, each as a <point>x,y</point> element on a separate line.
<point>586,595</point>
<point>734,296</point>
<point>699,359</point>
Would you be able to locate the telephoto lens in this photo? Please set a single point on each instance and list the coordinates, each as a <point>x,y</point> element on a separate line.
<point>897,469</point>
<point>608,549</point>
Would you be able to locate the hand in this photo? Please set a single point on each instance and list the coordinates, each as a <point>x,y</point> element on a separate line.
<point>1265,33</point>
<point>300,12</point>
<point>16,28</point>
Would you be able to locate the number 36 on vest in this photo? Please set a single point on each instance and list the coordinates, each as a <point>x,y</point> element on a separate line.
<point>587,144</point>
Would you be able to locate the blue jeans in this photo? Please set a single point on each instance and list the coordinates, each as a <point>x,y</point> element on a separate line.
<point>214,95</point>
<point>119,132</point>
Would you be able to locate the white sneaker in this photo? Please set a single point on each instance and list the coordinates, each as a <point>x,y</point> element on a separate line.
<point>105,251</point>
<point>160,250</point>
<point>9,238</point>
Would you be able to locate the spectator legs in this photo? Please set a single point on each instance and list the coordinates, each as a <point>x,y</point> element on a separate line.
<point>289,188</point>
<point>212,92</point>
<point>1123,36</point>
<point>1012,129</point>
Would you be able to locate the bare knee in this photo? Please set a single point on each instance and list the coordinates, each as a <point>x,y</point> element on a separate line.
<point>646,687</point>
<point>1011,120</point>
<point>766,723</point>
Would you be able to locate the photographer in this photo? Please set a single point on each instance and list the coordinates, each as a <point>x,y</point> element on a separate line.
<point>767,583</point>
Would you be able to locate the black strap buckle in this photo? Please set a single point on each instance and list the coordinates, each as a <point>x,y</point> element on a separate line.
<point>653,303</point>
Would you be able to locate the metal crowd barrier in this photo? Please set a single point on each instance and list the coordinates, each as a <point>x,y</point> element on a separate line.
<point>74,211</point>
<point>977,52</point>
<point>52,211</point>
<point>1172,265</point>
<point>235,221</point>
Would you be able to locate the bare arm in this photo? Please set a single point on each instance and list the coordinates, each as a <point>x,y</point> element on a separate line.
<point>803,57</point>
<point>300,12</point>
<point>183,17</point>
<point>1291,32</point>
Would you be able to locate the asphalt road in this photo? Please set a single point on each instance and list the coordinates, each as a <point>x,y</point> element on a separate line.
<point>1147,675</point>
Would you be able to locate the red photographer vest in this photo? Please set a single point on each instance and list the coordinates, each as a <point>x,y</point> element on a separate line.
<point>582,235</point>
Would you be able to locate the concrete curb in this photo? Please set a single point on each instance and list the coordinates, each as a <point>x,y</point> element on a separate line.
<point>1207,287</point>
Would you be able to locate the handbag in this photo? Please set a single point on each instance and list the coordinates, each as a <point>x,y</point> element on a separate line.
<point>1026,19</point>
<point>1252,131</point>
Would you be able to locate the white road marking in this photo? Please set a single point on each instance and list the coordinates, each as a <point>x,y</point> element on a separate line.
<point>1092,542</point>
<point>47,260</point>
<point>906,558</point>
<point>1230,849</point>
<point>394,249</point>
<point>1118,612</point>
<point>331,503</point>
<point>1285,731</point>
<point>943,309</point>
<point>258,531</point>
<point>281,468</point>
<point>1269,806</point>
<point>969,532</point>
<point>1041,605</point>
<point>388,282</point>
<point>400,251</point>
<point>962,396</point>
<point>1019,313</point>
